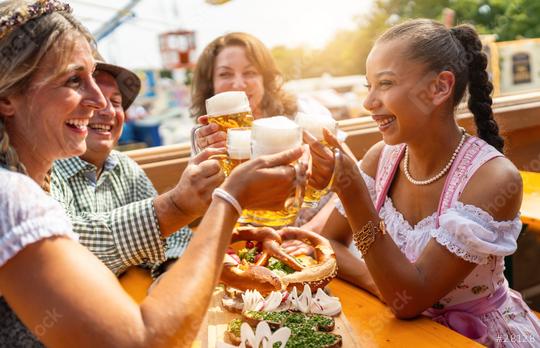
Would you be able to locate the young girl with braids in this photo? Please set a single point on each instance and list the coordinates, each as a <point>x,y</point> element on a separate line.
<point>432,210</point>
<point>54,291</point>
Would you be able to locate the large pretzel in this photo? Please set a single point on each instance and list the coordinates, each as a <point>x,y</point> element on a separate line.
<point>258,277</point>
<point>316,276</point>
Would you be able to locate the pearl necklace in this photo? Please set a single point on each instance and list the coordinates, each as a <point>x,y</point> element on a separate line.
<point>440,174</point>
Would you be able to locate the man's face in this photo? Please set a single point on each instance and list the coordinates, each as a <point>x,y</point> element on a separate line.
<point>105,126</point>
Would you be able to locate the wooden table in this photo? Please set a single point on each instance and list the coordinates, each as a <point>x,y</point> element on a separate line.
<point>373,323</point>
<point>530,206</point>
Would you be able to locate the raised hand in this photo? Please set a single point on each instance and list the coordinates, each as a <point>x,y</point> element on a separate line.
<point>322,162</point>
<point>209,135</point>
<point>346,168</point>
<point>193,193</point>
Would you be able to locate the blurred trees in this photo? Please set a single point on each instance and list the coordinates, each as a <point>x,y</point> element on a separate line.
<point>345,54</point>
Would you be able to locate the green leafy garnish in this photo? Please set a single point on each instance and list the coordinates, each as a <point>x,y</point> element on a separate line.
<point>276,265</point>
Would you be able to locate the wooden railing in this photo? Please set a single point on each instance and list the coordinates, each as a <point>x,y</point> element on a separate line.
<point>518,118</point>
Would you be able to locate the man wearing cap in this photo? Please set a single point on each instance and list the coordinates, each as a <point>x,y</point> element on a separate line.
<point>112,204</point>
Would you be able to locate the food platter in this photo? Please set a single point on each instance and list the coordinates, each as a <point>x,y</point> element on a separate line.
<point>268,297</point>
<point>217,318</point>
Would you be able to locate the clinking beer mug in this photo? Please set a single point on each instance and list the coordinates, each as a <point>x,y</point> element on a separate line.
<point>238,151</point>
<point>229,110</point>
<point>269,136</point>
<point>238,148</point>
<point>314,124</point>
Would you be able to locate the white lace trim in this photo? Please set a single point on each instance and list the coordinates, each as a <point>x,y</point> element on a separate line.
<point>483,216</point>
<point>441,236</point>
<point>473,234</point>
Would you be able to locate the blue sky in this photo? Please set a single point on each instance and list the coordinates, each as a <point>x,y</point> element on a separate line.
<point>275,22</point>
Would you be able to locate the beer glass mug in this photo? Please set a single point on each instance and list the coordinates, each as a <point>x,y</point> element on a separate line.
<point>238,148</point>
<point>314,124</point>
<point>269,136</point>
<point>227,110</point>
<point>239,151</point>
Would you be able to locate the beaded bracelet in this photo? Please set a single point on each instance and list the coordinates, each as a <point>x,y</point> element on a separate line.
<point>226,196</point>
<point>364,237</point>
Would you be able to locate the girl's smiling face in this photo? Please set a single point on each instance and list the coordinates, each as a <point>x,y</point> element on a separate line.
<point>399,92</point>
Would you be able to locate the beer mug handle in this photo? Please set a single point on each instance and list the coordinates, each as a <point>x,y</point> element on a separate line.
<point>195,149</point>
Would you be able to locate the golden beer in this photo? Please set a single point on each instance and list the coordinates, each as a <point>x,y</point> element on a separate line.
<point>280,218</point>
<point>239,151</point>
<point>233,163</point>
<point>314,124</point>
<point>269,136</point>
<point>236,120</point>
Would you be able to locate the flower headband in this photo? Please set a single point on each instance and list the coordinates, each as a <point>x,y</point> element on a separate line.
<point>29,12</point>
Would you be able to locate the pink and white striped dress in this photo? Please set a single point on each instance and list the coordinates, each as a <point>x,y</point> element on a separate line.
<point>482,307</point>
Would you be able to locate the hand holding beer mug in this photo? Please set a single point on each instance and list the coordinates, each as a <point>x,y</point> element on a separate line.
<point>268,136</point>
<point>314,125</point>
<point>224,110</point>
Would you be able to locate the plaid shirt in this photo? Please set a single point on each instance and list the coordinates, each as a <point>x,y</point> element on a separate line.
<point>114,215</point>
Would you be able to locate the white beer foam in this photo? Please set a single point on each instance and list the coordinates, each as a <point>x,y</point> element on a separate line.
<point>314,123</point>
<point>227,103</point>
<point>274,134</point>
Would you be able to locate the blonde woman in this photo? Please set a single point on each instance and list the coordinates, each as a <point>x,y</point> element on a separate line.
<point>63,294</point>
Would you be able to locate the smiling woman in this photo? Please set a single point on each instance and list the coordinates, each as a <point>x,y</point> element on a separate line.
<point>241,62</point>
<point>58,87</point>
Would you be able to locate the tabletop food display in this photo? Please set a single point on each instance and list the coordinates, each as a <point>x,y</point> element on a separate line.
<point>296,310</point>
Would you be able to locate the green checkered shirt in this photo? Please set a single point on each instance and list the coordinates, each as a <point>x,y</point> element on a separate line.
<point>114,216</point>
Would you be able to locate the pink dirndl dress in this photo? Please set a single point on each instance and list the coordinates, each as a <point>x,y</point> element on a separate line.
<point>482,307</point>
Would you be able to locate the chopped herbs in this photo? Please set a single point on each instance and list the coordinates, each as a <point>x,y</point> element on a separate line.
<point>234,327</point>
<point>276,265</point>
<point>304,327</point>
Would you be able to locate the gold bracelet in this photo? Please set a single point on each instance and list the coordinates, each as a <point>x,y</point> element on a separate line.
<point>364,237</point>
